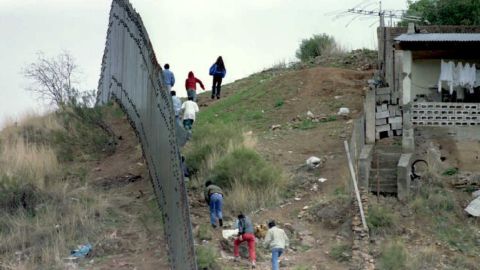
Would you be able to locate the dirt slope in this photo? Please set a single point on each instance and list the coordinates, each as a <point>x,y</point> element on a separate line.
<point>136,242</point>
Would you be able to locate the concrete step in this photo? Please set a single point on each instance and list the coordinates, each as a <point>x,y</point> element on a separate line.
<point>385,160</point>
<point>388,148</point>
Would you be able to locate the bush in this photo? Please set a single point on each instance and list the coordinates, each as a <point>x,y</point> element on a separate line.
<point>209,142</point>
<point>15,195</point>
<point>341,253</point>
<point>315,46</point>
<point>393,257</point>
<point>204,232</point>
<point>247,167</point>
<point>206,258</point>
<point>379,219</point>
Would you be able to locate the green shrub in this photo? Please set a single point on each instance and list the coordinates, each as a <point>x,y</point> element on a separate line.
<point>204,232</point>
<point>209,140</point>
<point>247,167</point>
<point>315,46</point>
<point>450,171</point>
<point>207,257</point>
<point>279,103</point>
<point>341,253</point>
<point>393,257</point>
<point>379,219</point>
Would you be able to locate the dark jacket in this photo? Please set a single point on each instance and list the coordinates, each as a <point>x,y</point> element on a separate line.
<point>216,72</point>
<point>244,225</point>
<point>210,190</point>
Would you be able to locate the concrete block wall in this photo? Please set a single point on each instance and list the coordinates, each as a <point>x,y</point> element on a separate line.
<point>388,114</point>
<point>445,114</point>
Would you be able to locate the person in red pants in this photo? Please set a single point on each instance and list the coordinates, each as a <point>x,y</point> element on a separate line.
<point>245,234</point>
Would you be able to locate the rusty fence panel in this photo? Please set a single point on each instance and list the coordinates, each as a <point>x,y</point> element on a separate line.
<point>130,75</point>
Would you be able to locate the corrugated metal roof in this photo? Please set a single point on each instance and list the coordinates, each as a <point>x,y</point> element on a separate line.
<point>439,37</point>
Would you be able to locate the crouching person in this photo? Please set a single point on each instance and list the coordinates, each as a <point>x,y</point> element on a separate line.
<point>245,234</point>
<point>277,241</point>
<point>214,198</point>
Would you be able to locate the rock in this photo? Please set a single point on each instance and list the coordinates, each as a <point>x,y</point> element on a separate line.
<point>310,115</point>
<point>476,194</point>
<point>307,240</point>
<point>289,227</point>
<point>275,127</point>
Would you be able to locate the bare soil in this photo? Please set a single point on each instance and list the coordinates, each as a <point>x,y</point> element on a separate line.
<point>138,242</point>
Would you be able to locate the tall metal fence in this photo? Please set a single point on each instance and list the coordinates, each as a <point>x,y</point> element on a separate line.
<point>131,76</point>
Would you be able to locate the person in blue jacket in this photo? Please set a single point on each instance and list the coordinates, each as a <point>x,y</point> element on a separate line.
<point>168,77</point>
<point>218,72</point>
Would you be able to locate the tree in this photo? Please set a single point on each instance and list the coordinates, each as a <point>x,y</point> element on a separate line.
<point>445,12</point>
<point>315,46</point>
<point>54,79</point>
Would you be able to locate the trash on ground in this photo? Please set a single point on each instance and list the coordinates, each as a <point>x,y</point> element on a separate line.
<point>343,111</point>
<point>82,251</point>
<point>313,162</point>
<point>228,234</point>
<point>321,180</point>
<point>297,199</point>
<point>474,207</point>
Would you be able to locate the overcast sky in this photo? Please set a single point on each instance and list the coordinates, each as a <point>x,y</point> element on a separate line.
<point>189,34</point>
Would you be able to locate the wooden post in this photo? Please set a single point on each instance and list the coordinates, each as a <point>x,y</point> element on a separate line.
<point>354,179</point>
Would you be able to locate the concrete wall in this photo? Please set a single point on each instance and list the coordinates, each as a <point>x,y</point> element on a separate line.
<point>407,62</point>
<point>425,74</point>
<point>130,75</point>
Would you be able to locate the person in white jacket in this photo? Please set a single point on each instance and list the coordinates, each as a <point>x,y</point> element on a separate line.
<point>190,109</point>
<point>277,240</point>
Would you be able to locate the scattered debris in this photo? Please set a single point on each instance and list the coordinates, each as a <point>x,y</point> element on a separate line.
<point>275,127</point>
<point>229,234</point>
<point>314,187</point>
<point>297,199</point>
<point>474,208</point>
<point>82,251</point>
<point>321,180</point>
<point>314,162</point>
<point>310,115</point>
<point>343,111</point>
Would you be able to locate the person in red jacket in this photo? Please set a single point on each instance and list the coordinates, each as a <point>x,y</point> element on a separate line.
<point>191,86</point>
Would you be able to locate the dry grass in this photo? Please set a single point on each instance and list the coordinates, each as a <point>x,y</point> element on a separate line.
<point>33,163</point>
<point>246,199</point>
<point>60,214</point>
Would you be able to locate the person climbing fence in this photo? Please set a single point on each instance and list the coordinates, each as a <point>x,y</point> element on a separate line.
<point>191,86</point>
<point>218,71</point>
<point>245,234</point>
<point>214,197</point>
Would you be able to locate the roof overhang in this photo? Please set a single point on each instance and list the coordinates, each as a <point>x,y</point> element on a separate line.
<point>438,41</point>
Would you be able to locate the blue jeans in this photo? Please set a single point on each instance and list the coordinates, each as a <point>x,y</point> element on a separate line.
<point>192,93</point>
<point>276,253</point>
<point>216,202</point>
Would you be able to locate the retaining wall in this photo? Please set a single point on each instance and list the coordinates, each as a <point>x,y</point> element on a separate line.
<point>131,75</point>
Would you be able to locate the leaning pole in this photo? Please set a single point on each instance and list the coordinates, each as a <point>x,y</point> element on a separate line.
<point>130,75</point>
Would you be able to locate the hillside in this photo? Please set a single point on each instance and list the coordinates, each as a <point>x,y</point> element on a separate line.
<point>124,224</point>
